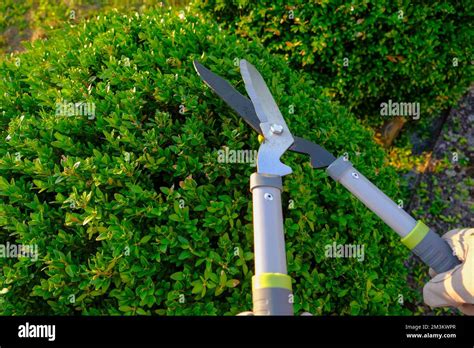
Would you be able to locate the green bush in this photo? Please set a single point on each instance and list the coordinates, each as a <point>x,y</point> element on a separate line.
<point>28,19</point>
<point>130,209</point>
<point>395,50</point>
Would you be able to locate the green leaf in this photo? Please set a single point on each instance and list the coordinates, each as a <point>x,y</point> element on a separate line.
<point>88,219</point>
<point>40,184</point>
<point>355,308</point>
<point>102,236</point>
<point>174,217</point>
<point>145,239</point>
<point>342,293</point>
<point>69,271</point>
<point>125,309</point>
<point>232,283</point>
<point>177,276</point>
<point>141,311</point>
<point>197,288</point>
<point>214,277</point>
<point>222,279</point>
<point>184,255</point>
<point>3,184</point>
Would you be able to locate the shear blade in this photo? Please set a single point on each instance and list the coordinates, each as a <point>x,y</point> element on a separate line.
<point>276,142</point>
<point>319,157</point>
<point>240,104</point>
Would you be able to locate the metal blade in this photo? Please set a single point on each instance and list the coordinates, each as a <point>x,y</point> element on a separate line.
<point>265,107</point>
<point>240,104</point>
<point>319,156</point>
<point>277,135</point>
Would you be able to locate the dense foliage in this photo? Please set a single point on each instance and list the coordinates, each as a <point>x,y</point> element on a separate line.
<point>32,19</point>
<point>130,209</point>
<point>367,52</point>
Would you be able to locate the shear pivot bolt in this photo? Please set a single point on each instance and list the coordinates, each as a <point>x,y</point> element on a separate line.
<point>355,175</point>
<point>276,128</point>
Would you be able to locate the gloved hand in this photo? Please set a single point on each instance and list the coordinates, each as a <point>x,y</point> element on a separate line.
<point>455,288</point>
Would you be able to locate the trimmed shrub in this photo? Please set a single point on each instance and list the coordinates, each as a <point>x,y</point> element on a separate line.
<point>367,52</point>
<point>32,19</point>
<point>125,197</point>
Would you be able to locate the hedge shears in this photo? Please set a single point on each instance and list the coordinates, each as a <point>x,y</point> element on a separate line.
<point>271,284</point>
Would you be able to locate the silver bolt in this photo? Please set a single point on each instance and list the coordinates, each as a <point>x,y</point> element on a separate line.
<point>268,196</point>
<point>355,175</point>
<point>276,128</point>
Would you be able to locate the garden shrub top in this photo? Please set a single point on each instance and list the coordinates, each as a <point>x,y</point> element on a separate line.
<point>367,52</point>
<point>125,197</point>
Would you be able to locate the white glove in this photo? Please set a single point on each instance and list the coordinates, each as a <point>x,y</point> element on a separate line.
<point>455,288</point>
